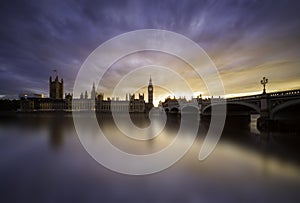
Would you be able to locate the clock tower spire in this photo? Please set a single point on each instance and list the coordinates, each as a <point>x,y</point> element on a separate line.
<point>150,92</point>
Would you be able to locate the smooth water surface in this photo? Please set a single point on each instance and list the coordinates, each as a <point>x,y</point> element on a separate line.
<point>42,160</point>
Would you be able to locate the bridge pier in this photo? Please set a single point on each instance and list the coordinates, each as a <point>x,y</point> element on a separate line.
<point>264,122</point>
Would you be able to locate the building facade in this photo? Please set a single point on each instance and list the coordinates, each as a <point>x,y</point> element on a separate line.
<point>56,88</point>
<point>96,102</point>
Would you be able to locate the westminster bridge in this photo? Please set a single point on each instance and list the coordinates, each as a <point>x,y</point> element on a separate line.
<point>273,106</point>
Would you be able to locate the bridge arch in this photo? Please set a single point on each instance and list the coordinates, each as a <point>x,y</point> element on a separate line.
<point>171,110</point>
<point>283,106</point>
<point>190,109</point>
<point>167,110</point>
<point>174,110</point>
<point>249,105</point>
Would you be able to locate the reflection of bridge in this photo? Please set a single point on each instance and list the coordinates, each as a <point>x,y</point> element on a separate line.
<point>270,106</point>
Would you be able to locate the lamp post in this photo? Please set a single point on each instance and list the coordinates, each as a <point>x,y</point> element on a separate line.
<point>264,81</point>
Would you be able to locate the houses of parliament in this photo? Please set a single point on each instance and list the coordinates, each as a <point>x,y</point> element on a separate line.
<point>94,102</point>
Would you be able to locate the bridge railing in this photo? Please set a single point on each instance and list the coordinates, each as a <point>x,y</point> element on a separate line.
<point>207,101</point>
<point>285,93</point>
<point>271,94</point>
<point>244,98</point>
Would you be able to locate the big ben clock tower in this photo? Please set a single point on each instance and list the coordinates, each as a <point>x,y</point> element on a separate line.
<point>150,92</point>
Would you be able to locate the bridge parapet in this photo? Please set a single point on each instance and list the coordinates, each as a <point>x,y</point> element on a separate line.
<point>258,96</point>
<point>271,94</point>
<point>285,93</point>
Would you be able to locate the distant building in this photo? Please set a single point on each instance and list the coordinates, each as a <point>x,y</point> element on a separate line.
<point>98,103</point>
<point>41,104</point>
<point>56,88</point>
<point>95,103</point>
<point>37,102</point>
<point>31,95</point>
<point>137,105</point>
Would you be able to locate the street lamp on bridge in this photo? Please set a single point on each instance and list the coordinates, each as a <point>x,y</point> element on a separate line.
<point>264,81</point>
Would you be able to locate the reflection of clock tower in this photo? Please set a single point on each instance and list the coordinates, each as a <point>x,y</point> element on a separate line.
<point>150,92</point>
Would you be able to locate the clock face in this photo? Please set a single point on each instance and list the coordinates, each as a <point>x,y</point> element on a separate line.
<point>150,88</point>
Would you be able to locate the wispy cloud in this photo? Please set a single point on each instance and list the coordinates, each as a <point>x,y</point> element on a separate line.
<point>246,39</point>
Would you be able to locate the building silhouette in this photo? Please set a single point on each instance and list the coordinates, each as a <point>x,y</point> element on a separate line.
<point>56,88</point>
<point>93,92</point>
<point>95,102</point>
<point>150,92</point>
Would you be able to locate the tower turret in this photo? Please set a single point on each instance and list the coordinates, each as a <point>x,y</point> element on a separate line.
<point>56,88</point>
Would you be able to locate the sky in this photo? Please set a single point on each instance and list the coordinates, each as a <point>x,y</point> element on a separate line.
<point>246,40</point>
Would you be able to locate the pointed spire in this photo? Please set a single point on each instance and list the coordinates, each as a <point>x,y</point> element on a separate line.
<point>93,88</point>
<point>93,92</point>
<point>150,81</point>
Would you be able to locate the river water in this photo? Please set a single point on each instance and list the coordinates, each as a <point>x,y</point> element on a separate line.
<point>42,160</point>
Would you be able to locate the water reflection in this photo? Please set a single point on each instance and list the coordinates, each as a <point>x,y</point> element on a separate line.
<point>253,124</point>
<point>56,132</point>
<point>43,160</point>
